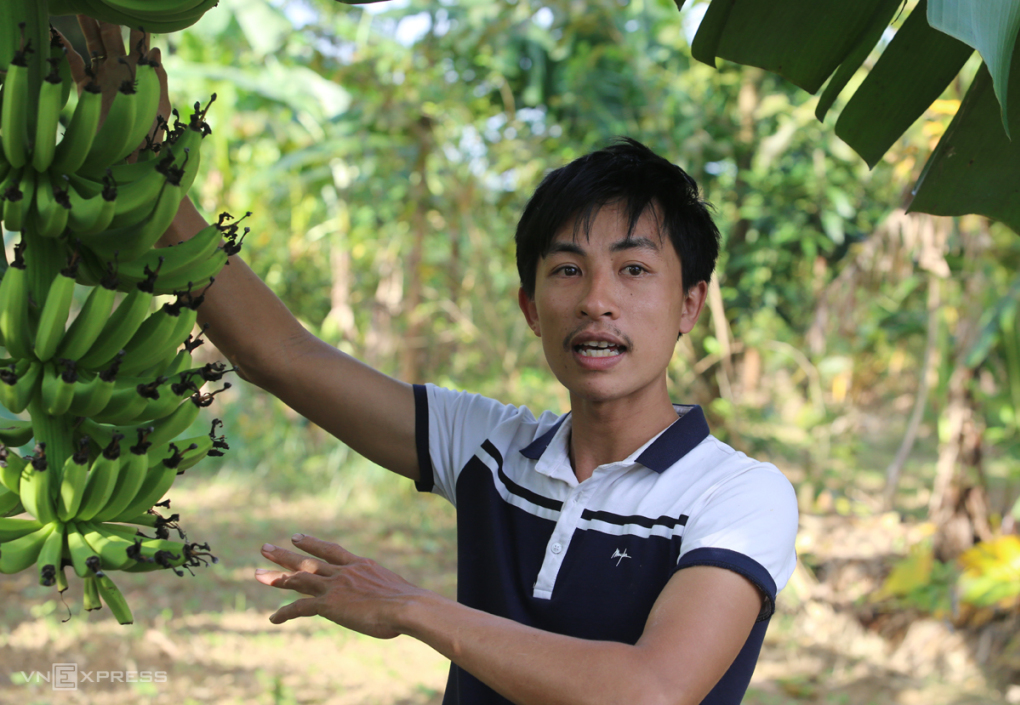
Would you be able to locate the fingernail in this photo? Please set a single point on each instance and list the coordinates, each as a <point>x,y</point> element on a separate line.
<point>260,571</point>
<point>268,547</point>
<point>297,537</point>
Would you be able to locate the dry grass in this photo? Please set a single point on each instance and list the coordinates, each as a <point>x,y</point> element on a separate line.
<point>211,637</point>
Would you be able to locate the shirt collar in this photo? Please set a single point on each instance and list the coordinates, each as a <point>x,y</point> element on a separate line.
<point>663,451</point>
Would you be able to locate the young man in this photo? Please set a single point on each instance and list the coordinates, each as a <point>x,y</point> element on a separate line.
<point>615,554</point>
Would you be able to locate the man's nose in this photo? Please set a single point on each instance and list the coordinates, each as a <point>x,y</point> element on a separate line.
<point>599,298</point>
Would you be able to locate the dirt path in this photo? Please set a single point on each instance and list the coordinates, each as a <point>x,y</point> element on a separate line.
<point>207,639</point>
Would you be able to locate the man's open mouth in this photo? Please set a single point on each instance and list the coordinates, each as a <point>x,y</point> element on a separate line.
<point>599,349</point>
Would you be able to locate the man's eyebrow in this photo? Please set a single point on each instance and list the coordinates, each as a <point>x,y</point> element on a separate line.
<point>632,243</point>
<point>568,247</point>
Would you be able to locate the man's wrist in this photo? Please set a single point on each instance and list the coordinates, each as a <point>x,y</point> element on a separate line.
<point>418,612</point>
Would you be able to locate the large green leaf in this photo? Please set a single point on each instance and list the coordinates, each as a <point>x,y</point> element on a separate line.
<point>910,75</point>
<point>990,26</point>
<point>801,40</point>
<point>855,59</point>
<point>976,168</point>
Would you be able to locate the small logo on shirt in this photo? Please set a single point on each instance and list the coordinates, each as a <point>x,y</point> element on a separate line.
<point>619,556</point>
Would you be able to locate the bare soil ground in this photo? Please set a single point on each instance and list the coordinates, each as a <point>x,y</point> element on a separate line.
<point>207,638</point>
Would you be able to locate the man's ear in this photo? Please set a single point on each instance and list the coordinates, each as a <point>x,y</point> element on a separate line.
<point>694,301</point>
<point>530,311</point>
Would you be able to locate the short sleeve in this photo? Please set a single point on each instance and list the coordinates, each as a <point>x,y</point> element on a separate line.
<point>449,428</point>
<point>748,525</point>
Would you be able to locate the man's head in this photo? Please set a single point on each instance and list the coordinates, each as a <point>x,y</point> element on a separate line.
<point>628,173</point>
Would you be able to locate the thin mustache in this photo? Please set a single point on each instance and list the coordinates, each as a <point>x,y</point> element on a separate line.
<point>614,331</point>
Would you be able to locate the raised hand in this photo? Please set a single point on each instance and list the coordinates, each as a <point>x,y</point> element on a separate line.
<point>352,591</point>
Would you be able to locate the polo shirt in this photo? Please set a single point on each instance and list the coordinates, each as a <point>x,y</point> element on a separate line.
<point>588,559</point>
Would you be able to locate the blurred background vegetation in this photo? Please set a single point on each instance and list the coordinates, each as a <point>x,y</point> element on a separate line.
<point>387,151</point>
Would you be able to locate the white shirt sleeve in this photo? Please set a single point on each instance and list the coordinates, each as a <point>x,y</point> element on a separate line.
<point>753,514</point>
<point>458,423</point>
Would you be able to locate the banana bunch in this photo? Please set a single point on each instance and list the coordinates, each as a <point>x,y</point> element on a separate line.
<point>97,326</point>
<point>155,15</point>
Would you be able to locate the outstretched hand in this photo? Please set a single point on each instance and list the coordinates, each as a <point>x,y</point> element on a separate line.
<point>354,592</point>
<point>111,64</point>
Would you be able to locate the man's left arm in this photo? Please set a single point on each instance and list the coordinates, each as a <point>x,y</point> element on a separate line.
<point>695,630</point>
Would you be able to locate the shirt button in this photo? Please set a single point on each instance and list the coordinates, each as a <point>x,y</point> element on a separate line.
<point>556,548</point>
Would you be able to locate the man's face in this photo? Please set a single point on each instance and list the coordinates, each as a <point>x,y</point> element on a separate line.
<point>609,307</point>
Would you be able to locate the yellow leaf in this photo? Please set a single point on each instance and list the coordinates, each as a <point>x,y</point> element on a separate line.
<point>911,573</point>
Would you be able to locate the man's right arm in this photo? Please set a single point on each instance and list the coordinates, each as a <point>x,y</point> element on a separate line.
<point>369,411</point>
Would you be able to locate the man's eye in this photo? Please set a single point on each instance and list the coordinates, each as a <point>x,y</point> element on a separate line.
<point>570,271</point>
<point>635,269</point>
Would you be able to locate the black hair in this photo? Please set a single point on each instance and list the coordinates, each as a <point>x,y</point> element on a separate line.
<point>627,172</point>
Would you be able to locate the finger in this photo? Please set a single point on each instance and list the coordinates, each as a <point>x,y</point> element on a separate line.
<point>93,37</point>
<point>139,42</point>
<point>113,39</point>
<point>293,561</point>
<point>301,608</point>
<point>74,60</point>
<point>305,583</point>
<point>164,94</point>
<point>329,552</point>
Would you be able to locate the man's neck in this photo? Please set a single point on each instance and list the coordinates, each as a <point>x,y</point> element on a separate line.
<point>609,432</point>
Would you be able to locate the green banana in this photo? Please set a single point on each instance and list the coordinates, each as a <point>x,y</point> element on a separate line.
<point>114,599</point>
<point>20,553</point>
<point>163,430</point>
<point>72,483</point>
<point>53,318</point>
<point>90,594</point>
<point>18,193</point>
<point>58,387</point>
<point>51,95</point>
<point>19,386</point>
<point>137,199</point>
<point>58,53</point>
<point>51,555</point>
<point>89,324</point>
<point>51,208</point>
<point>151,340</point>
<point>132,241</point>
<point>160,478</point>
<point>196,277</point>
<point>118,330</point>
<point>157,22</point>
<point>11,467</point>
<point>102,480</point>
<point>112,548</point>
<point>10,503</point>
<point>38,487</point>
<point>85,560</point>
<point>16,432</point>
<point>108,146</point>
<point>15,325</point>
<point>81,131</point>
<point>147,99</point>
<point>92,214</point>
<point>129,481</point>
<point>126,402</point>
<point>92,396</point>
<point>14,114</point>
<point>166,262</point>
<point>61,578</point>
<point>11,528</point>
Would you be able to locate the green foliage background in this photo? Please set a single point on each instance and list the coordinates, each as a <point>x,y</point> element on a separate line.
<point>387,151</point>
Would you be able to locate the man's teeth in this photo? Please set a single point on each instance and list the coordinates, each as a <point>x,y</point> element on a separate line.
<point>599,349</point>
